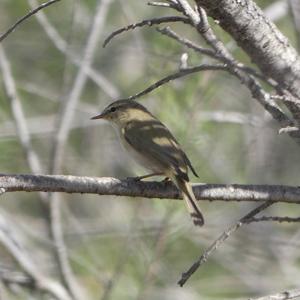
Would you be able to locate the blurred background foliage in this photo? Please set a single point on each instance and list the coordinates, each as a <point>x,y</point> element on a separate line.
<point>124,248</point>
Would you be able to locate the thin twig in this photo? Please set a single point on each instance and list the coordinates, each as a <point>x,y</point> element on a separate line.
<point>206,51</point>
<point>146,189</point>
<point>286,295</point>
<point>179,74</point>
<point>167,31</point>
<point>220,240</point>
<point>148,22</point>
<point>274,219</point>
<point>32,12</point>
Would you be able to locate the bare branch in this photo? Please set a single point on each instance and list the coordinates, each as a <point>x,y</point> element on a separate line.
<point>64,125</point>
<point>67,113</point>
<point>18,114</point>
<point>274,219</point>
<point>220,240</point>
<point>260,39</point>
<point>32,12</point>
<point>209,52</point>
<point>201,24</point>
<point>147,189</point>
<point>172,34</point>
<point>286,295</point>
<point>179,74</point>
<point>148,22</point>
<point>19,118</point>
<point>9,276</point>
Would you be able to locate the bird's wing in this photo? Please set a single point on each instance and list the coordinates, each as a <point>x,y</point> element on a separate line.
<point>153,140</point>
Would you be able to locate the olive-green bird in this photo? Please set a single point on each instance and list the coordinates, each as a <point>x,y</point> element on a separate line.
<point>154,147</point>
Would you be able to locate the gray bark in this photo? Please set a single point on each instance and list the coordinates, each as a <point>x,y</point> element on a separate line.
<point>267,47</point>
<point>146,189</point>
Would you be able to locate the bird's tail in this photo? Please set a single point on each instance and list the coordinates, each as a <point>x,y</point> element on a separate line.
<point>190,201</point>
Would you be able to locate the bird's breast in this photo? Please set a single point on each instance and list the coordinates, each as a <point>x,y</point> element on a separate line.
<point>139,157</point>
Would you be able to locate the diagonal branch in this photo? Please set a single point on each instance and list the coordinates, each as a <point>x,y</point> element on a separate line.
<point>64,124</point>
<point>62,46</point>
<point>266,46</point>
<point>220,240</point>
<point>18,113</point>
<point>32,12</point>
<point>201,24</point>
<point>9,240</point>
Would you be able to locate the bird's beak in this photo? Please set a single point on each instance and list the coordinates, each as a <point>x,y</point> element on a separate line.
<point>101,116</point>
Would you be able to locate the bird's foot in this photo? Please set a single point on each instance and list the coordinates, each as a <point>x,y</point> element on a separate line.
<point>166,180</point>
<point>139,178</point>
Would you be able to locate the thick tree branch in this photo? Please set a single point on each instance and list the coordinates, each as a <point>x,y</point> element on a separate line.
<point>259,38</point>
<point>146,189</point>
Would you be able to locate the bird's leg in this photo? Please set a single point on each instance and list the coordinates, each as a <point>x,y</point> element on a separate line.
<point>139,178</point>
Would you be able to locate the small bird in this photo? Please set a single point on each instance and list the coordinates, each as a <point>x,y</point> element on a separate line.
<point>154,147</point>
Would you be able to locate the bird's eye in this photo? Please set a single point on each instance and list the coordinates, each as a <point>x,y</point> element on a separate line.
<point>113,109</point>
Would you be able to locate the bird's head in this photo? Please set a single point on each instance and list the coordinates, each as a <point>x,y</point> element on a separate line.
<point>122,111</point>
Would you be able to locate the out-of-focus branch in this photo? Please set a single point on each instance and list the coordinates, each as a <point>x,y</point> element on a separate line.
<point>34,11</point>
<point>62,46</point>
<point>72,100</point>
<point>21,126</point>
<point>146,189</point>
<point>19,118</point>
<point>18,114</point>
<point>276,10</point>
<point>286,295</point>
<point>41,282</point>
<point>9,276</point>
<point>64,125</point>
